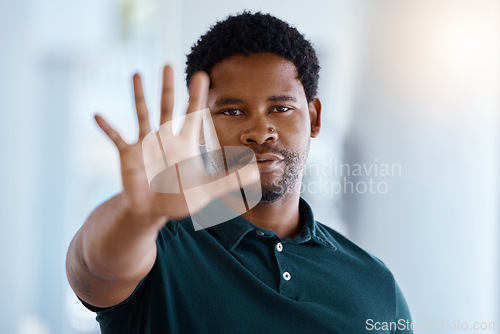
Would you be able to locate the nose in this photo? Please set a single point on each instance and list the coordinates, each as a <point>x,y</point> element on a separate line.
<point>259,134</point>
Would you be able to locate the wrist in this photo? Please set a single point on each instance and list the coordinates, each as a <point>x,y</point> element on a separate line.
<point>144,215</point>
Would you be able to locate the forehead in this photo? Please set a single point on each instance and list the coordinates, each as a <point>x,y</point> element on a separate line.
<point>255,75</point>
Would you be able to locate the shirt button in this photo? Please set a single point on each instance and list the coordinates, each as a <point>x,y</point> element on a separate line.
<point>260,233</point>
<point>287,276</point>
<point>279,246</point>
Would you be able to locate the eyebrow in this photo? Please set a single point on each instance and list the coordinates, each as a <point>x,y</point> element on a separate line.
<point>274,98</point>
<point>280,98</point>
<point>226,101</point>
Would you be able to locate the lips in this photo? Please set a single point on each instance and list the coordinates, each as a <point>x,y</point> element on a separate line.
<point>268,162</point>
<point>268,157</point>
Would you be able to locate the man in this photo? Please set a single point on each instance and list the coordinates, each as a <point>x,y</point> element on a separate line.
<point>141,265</point>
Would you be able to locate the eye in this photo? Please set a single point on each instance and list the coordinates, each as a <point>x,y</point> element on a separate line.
<point>280,109</point>
<point>232,112</point>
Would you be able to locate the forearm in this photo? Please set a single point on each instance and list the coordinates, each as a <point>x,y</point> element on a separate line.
<point>114,244</point>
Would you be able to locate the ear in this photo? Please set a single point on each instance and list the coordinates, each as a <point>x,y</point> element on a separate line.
<point>315,116</point>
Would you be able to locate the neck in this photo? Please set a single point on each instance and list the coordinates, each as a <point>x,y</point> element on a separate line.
<point>281,216</point>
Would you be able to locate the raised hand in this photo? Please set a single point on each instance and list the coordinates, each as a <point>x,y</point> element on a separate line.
<point>143,159</point>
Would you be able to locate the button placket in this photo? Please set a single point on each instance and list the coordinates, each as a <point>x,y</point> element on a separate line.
<point>279,246</point>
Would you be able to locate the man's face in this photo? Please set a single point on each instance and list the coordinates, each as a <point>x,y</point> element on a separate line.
<point>258,102</point>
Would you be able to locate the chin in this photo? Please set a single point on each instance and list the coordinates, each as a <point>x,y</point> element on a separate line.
<point>272,194</point>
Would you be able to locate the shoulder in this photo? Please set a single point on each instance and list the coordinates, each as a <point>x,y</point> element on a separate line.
<point>368,269</point>
<point>171,231</point>
<point>354,252</point>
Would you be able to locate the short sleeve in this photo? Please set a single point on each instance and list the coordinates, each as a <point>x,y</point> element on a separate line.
<point>114,310</point>
<point>165,237</point>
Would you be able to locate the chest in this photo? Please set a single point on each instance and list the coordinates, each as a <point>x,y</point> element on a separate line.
<point>261,285</point>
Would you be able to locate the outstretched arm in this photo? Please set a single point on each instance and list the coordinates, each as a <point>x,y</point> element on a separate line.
<point>116,248</point>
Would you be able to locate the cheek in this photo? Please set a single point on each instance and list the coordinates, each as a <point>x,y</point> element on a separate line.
<point>220,135</point>
<point>297,128</point>
<point>227,135</point>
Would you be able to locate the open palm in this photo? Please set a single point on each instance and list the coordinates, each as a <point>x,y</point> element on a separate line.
<point>141,199</point>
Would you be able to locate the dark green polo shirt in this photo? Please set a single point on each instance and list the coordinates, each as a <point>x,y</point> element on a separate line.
<point>236,277</point>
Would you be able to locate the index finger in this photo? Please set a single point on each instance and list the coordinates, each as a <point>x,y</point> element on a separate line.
<point>198,91</point>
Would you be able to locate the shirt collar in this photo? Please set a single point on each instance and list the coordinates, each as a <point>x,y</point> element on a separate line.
<point>232,231</point>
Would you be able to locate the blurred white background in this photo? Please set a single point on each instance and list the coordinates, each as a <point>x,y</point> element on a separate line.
<point>410,92</point>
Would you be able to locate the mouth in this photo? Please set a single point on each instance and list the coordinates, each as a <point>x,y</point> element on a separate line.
<point>268,162</point>
<point>268,157</point>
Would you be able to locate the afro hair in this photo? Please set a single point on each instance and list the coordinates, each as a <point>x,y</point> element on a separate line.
<point>248,33</point>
